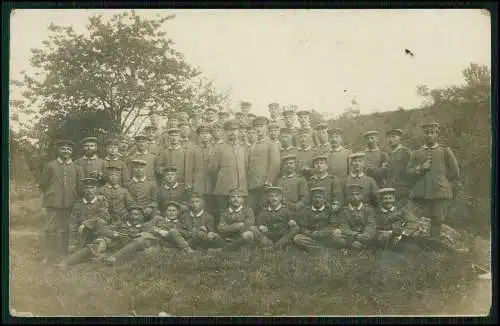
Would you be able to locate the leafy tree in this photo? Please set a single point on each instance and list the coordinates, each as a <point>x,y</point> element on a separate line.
<point>116,76</point>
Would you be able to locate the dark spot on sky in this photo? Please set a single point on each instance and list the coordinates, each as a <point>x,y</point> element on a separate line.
<point>409,52</point>
<point>345,90</point>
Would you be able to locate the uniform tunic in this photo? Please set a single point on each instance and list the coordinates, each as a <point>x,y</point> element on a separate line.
<point>229,166</point>
<point>175,192</point>
<point>243,214</point>
<point>197,173</point>
<point>120,164</point>
<point>333,190</point>
<point>317,219</point>
<point>264,163</point>
<point>391,220</point>
<point>93,167</point>
<point>304,158</point>
<point>291,150</point>
<point>276,220</point>
<point>323,149</point>
<point>338,162</point>
<point>370,187</point>
<point>172,157</point>
<point>374,160</point>
<point>94,209</point>
<point>191,223</point>
<point>119,200</point>
<point>150,168</point>
<point>59,182</point>
<point>295,191</point>
<point>396,172</point>
<point>358,223</point>
<point>144,192</point>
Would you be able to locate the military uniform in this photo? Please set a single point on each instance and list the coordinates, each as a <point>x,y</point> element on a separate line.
<point>331,184</point>
<point>172,156</point>
<point>357,224</point>
<point>93,167</point>
<point>119,201</point>
<point>390,222</point>
<point>304,160</point>
<point>174,192</point>
<point>322,148</point>
<point>143,191</point>
<point>116,162</point>
<point>376,159</point>
<point>338,157</point>
<point>370,187</point>
<point>290,149</point>
<point>150,159</point>
<point>295,189</point>
<point>59,182</point>
<point>200,230</point>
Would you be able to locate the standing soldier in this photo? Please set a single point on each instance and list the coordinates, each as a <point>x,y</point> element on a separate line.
<point>289,118</point>
<point>436,171</point>
<point>295,188</point>
<point>173,120</point>
<point>286,143</point>
<point>153,146</point>
<point>274,133</point>
<point>210,116</point>
<point>251,135</point>
<point>229,165</point>
<point>112,159</point>
<point>376,159</point>
<point>218,136</point>
<point>331,184</point>
<point>174,155</point>
<point>118,198</point>
<point>338,158</point>
<point>241,118</point>
<point>245,109</point>
<point>195,122</point>
<point>92,166</point>
<point>171,190</point>
<point>264,164</point>
<point>323,145</point>
<point>123,148</point>
<point>59,182</point>
<point>244,126</point>
<point>182,116</point>
<point>274,114</point>
<point>224,116</point>
<point>185,139</point>
<point>304,117</point>
<point>142,153</point>
<point>305,153</point>
<point>396,170</point>
<point>144,191</point>
<point>198,159</point>
<point>357,176</point>
<point>250,118</point>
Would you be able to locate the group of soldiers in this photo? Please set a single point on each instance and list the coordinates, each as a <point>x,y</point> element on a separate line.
<point>219,183</point>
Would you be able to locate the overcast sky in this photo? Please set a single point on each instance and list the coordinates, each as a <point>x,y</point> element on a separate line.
<point>317,59</point>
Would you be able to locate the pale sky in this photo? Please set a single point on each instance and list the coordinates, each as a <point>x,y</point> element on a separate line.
<point>317,59</point>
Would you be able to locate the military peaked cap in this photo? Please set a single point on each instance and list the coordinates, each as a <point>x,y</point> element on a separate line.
<point>387,191</point>
<point>398,132</point>
<point>89,182</point>
<point>236,192</point>
<point>260,121</point>
<point>357,155</point>
<point>355,187</point>
<point>370,132</point>
<point>139,162</point>
<point>272,189</point>
<point>65,142</point>
<point>289,157</point>
<point>89,140</point>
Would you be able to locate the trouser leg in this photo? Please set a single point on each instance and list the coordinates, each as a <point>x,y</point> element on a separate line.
<point>63,231</point>
<point>221,202</point>
<point>176,238</point>
<point>246,238</point>
<point>56,232</point>
<point>438,210</point>
<point>254,199</point>
<point>131,248</point>
<point>79,256</point>
<point>260,238</point>
<point>307,243</point>
<point>50,235</point>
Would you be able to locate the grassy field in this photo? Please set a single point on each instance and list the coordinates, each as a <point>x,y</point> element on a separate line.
<point>249,282</point>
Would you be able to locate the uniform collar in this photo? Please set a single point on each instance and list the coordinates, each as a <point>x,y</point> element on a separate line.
<point>204,146</point>
<point>397,148</point>
<point>431,147</point>
<point>291,175</point>
<point>322,208</point>
<point>67,162</point>
<point>231,210</point>
<point>217,142</point>
<point>142,153</point>
<point>93,157</point>
<point>274,210</point>
<point>174,186</point>
<point>360,175</point>
<point>352,209</point>
<point>197,215</point>
<point>136,226</point>
<point>116,186</point>
<point>261,140</point>
<point>107,158</point>
<point>288,148</point>
<point>323,177</point>
<point>324,145</point>
<point>85,201</point>
<point>175,148</point>
<point>387,210</point>
<point>139,180</point>
<point>338,149</point>
<point>376,149</point>
<point>171,220</point>
<point>305,149</point>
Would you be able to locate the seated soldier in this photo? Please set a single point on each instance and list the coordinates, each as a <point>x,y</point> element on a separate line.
<point>237,222</point>
<point>171,190</point>
<point>357,176</point>
<point>357,221</point>
<point>158,231</point>
<point>198,226</point>
<point>277,227</point>
<point>143,190</point>
<point>317,223</point>
<point>119,198</point>
<point>390,220</point>
<point>321,178</point>
<point>295,188</point>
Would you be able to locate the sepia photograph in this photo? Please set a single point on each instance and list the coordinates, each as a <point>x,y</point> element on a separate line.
<point>250,162</point>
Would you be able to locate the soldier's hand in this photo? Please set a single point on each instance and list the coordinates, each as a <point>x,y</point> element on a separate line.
<point>314,233</point>
<point>203,229</point>
<point>426,166</point>
<point>263,229</point>
<point>292,223</point>
<point>156,229</point>
<point>116,234</point>
<point>164,233</point>
<point>148,210</point>
<point>81,228</point>
<point>356,244</point>
<point>240,225</point>
<point>189,186</point>
<point>335,207</point>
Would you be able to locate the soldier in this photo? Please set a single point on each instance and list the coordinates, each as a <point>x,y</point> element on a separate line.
<point>186,139</point>
<point>286,143</point>
<point>289,118</point>
<point>436,171</point>
<point>357,176</point>
<point>153,146</point>
<point>237,222</point>
<point>123,148</point>
<point>323,145</point>
<point>210,116</point>
<point>173,155</point>
<point>218,136</point>
<point>174,120</point>
<point>199,226</point>
<point>171,190</point>
<point>229,165</point>
<point>376,159</point>
<point>59,181</point>
<point>250,117</point>
<point>251,135</point>
<point>119,199</point>
<point>143,154</point>
<point>295,188</point>
<point>357,221</point>
<point>112,159</point>
<point>224,116</point>
<point>304,118</point>
<point>245,108</point>
<point>143,191</point>
<point>331,184</point>
<point>317,223</point>
<point>390,219</point>
<point>195,122</point>
<point>277,227</point>
<point>242,137</point>
<point>274,132</point>
<point>305,153</point>
<point>338,158</point>
<point>263,166</point>
<point>274,114</point>
<point>92,165</point>
<point>396,171</point>
<point>182,116</point>
<point>197,164</point>
<point>241,118</point>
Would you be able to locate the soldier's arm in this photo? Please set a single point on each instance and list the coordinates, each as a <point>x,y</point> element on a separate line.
<point>452,169</point>
<point>289,234</point>
<point>210,222</point>
<point>129,200</point>
<point>159,163</point>
<point>75,214</point>
<point>154,194</point>
<point>274,163</point>
<point>214,163</point>
<point>46,177</point>
<point>344,225</point>
<point>338,194</point>
<point>370,227</point>
<point>103,209</point>
<point>249,217</point>
<point>374,192</point>
<point>413,169</point>
<point>149,226</point>
<point>303,193</point>
<point>125,173</point>
<point>189,162</point>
